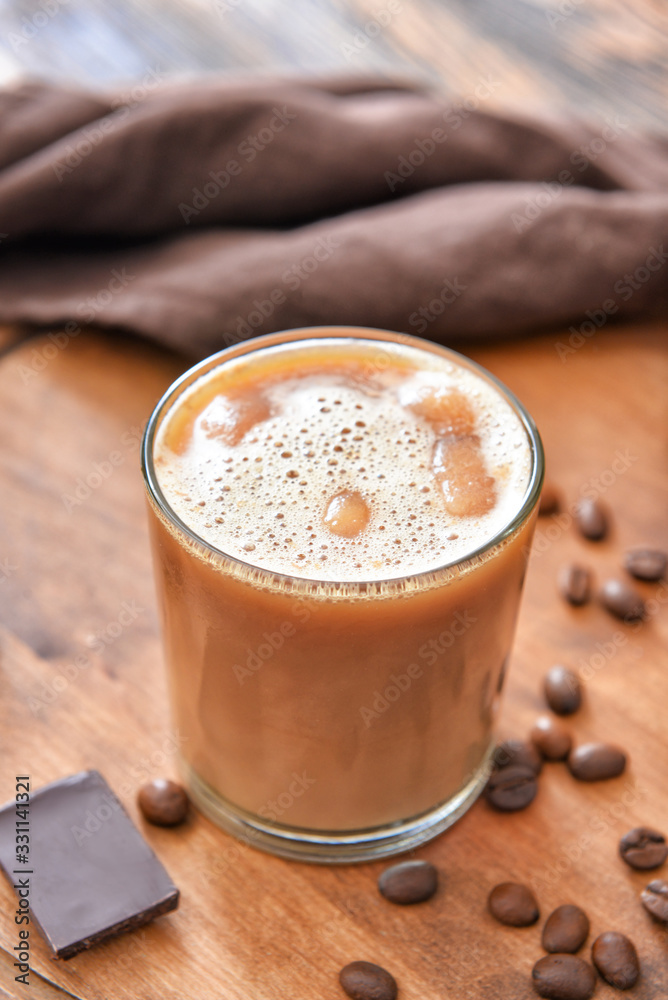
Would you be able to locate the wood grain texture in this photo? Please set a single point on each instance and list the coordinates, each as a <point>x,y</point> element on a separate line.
<point>256,927</point>
<point>10,336</point>
<point>602,57</point>
<point>39,988</point>
<point>80,690</point>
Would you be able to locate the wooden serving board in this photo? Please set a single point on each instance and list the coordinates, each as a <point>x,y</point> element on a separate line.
<point>83,687</point>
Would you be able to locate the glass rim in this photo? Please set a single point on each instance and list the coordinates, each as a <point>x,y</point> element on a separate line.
<point>196,371</point>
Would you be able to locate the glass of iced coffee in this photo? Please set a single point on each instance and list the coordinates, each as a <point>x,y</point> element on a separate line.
<point>340,521</point>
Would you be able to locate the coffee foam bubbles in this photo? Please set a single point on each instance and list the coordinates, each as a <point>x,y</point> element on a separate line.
<point>327,471</point>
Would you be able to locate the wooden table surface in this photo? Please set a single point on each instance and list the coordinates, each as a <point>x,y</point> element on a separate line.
<point>597,57</point>
<point>254,926</point>
<point>79,690</point>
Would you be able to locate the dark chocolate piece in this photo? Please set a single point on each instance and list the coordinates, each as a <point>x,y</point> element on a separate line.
<point>91,875</point>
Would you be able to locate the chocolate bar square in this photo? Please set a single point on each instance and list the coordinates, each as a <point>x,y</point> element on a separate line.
<point>89,874</point>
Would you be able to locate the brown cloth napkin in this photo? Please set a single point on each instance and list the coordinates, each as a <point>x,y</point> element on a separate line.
<point>202,213</point>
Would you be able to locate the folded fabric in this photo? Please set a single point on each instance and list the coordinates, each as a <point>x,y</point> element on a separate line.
<point>202,213</point>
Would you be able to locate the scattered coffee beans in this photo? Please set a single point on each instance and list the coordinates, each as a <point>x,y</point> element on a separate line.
<point>366,981</point>
<point>566,929</point>
<point>646,564</point>
<point>163,802</point>
<point>511,788</point>
<point>591,519</point>
<point>622,600</point>
<point>517,752</point>
<point>512,785</point>
<point>596,761</point>
<point>551,738</point>
<point>655,900</point>
<point>643,848</point>
<point>616,959</point>
<point>575,584</point>
<point>550,500</point>
<point>409,882</point>
<point>563,977</point>
<point>563,690</point>
<point>513,904</point>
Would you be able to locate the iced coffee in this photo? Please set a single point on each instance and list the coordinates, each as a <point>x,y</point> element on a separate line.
<point>340,521</point>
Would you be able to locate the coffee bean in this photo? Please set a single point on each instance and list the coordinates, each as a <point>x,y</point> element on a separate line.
<point>563,690</point>
<point>511,788</point>
<point>550,500</point>
<point>622,600</point>
<point>565,929</point>
<point>551,738</point>
<point>654,898</point>
<point>575,584</point>
<point>366,981</point>
<point>643,848</point>
<point>646,564</point>
<point>409,882</point>
<point>163,802</point>
<point>616,959</point>
<point>591,519</point>
<point>511,752</point>
<point>596,761</point>
<point>513,904</point>
<point>563,977</point>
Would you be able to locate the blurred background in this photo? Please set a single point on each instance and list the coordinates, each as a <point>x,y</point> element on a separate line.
<point>597,57</point>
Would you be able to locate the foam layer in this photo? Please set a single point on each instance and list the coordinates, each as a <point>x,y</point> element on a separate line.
<point>343,460</point>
